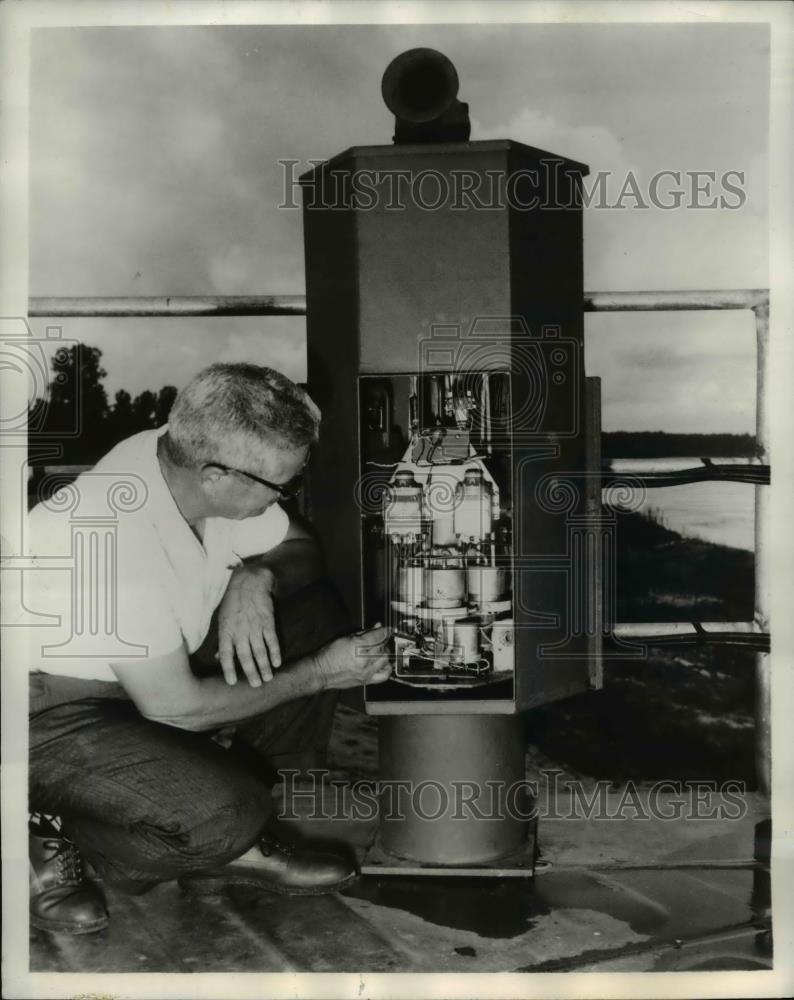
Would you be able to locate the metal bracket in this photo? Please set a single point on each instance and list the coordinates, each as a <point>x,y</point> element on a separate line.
<point>519,864</point>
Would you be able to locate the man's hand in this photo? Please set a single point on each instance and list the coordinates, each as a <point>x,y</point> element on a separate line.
<point>247,626</point>
<point>361,658</point>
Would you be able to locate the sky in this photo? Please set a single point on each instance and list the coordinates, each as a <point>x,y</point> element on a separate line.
<point>155,170</point>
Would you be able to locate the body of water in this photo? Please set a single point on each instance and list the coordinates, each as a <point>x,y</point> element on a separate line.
<point>714,512</point>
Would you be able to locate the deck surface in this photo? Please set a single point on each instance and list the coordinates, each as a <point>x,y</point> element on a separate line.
<point>630,895</point>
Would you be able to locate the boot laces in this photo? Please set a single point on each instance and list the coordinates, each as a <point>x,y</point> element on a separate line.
<point>67,859</point>
<point>269,844</point>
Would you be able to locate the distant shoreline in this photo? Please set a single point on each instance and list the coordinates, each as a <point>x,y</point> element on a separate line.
<point>660,444</point>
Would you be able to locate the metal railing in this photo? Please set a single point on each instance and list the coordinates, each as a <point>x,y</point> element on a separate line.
<point>170,305</point>
<point>755,470</point>
<point>295,305</point>
<point>647,473</point>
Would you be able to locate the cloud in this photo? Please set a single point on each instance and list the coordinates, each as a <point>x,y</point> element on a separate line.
<point>155,152</point>
<point>587,143</point>
<point>679,372</point>
<point>233,270</point>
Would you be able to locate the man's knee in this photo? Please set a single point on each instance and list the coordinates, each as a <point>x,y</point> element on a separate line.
<point>175,834</point>
<point>222,834</point>
<point>171,846</point>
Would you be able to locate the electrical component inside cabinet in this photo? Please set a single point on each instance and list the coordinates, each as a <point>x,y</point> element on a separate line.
<point>437,524</point>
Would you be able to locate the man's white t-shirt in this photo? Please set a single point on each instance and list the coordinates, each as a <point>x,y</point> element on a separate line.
<point>118,573</point>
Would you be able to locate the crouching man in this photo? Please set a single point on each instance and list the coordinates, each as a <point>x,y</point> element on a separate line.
<point>121,717</point>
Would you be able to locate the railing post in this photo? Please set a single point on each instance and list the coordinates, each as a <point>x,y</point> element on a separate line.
<point>763,741</point>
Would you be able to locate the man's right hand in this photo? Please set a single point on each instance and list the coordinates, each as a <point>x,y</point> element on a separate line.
<point>361,658</point>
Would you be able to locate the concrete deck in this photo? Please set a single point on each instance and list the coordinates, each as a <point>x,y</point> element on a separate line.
<point>628,895</point>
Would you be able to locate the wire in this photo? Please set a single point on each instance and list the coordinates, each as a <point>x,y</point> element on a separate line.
<point>757,475</point>
<point>759,641</point>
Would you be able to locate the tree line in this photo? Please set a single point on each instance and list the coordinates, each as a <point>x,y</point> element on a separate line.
<point>76,393</point>
<point>76,414</point>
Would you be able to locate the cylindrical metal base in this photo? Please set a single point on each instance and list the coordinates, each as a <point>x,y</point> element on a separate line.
<point>455,805</point>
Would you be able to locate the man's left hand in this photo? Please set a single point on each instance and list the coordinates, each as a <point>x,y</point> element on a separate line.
<point>247,626</point>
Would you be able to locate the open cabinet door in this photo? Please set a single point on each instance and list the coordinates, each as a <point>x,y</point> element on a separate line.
<point>558,593</point>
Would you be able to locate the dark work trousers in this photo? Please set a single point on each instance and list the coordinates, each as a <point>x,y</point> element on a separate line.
<point>146,802</point>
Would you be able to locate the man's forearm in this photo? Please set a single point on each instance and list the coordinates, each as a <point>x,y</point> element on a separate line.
<point>214,703</point>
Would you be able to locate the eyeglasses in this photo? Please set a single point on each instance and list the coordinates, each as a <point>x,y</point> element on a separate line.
<point>286,491</point>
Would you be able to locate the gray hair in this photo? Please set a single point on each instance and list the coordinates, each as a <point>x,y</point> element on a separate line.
<point>228,410</point>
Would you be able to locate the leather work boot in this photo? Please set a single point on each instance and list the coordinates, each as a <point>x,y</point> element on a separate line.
<point>62,900</point>
<point>276,867</point>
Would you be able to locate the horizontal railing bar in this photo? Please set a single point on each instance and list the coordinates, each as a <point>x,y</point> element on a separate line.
<point>692,633</point>
<point>660,464</point>
<point>170,305</point>
<point>632,630</point>
<point>675,463</point>
<point>745,472</point>
<point>295,305</point>
<point>704,864</point>
<point>739,298</point>
<point>57,470</point>
<point>758,643</point>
